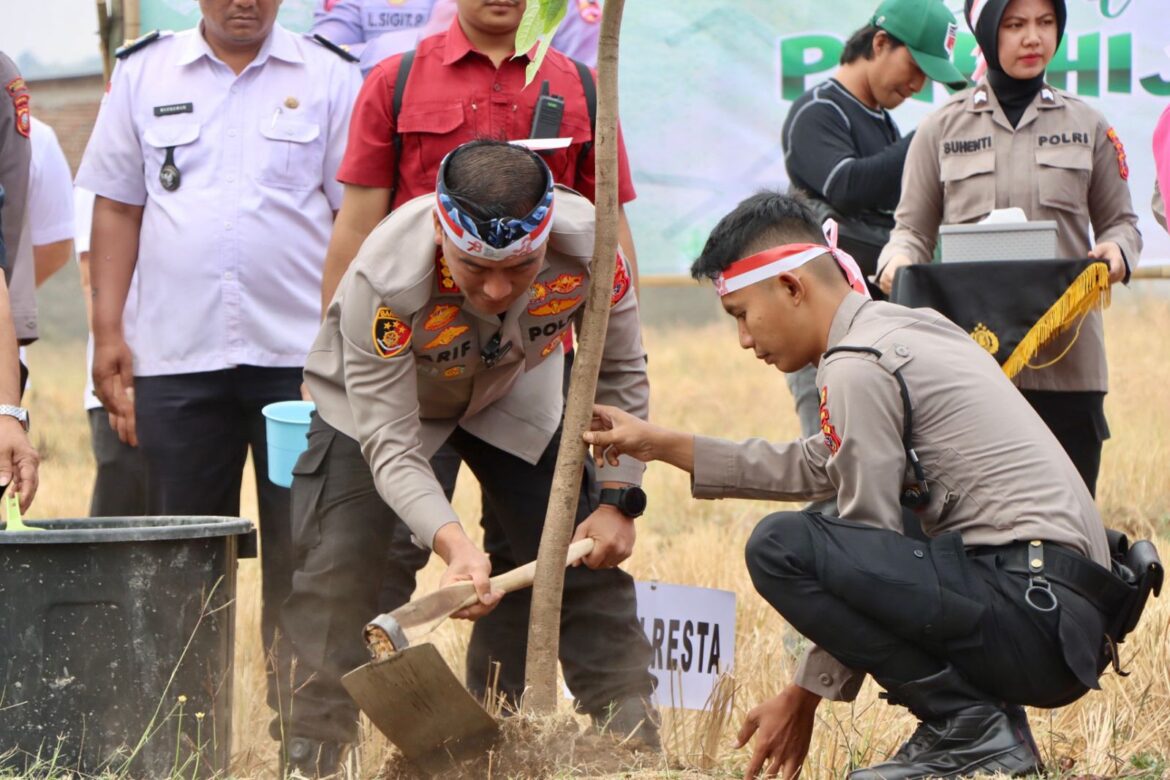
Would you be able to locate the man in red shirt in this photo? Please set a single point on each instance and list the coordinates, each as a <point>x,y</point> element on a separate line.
<point>463,84</point>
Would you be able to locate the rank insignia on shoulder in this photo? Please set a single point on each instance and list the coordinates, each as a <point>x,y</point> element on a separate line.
<point>443,279</point>
<point>340,51</point>
<point>128,48</point>
<point>391,334</point>
<point>1122,165</point>
<point>979,97</point>
<point>1047,95</point>
<point>832,440</point>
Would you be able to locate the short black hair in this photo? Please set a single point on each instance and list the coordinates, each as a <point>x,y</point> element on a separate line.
<point>764,220</point>
<point>495,180</point>
<point>860,44</point>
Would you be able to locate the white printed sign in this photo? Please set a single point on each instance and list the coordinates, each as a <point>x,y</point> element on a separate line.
<point>692,634</point>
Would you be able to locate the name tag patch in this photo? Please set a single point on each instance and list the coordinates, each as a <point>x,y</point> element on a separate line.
<point>174,108</point>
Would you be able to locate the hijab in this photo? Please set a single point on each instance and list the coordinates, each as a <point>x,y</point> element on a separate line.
<point>1014,95</point>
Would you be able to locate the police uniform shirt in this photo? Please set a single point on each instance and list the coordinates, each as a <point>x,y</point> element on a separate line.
<point>1062,162</point>
<point>233,239</point>
<point>48,218</point>
<point>997,475</point>
<point>402,358</point>
<point>15,151</point>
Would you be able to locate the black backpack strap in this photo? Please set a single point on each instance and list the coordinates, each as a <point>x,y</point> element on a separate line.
<point>395,109</point>
<point>590,101</point>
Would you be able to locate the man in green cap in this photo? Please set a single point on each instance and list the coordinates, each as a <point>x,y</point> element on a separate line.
<point>843,151</point>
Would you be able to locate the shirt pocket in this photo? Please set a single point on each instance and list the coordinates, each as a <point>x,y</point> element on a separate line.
<point>292,154</point>
<point>429,131</point>
<point>1062,175</point>
<point>180,138</point>
<point>968,187</point>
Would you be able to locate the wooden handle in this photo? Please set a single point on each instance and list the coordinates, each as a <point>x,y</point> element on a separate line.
<point>521,577</point>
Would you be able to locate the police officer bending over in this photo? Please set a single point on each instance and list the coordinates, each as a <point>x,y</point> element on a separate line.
<point>1011,600</point>
<point>448,326</point>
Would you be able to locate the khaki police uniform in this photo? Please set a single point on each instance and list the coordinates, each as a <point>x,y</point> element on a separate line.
<point>403,364</point>
<point>875,601</point>
<point>1062,162</point>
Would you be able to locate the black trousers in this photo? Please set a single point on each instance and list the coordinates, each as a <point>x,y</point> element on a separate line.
<point>194,431</point>
<point>119,485</point>
<point>343,531</point>
<point>902,609</point>
<point>1078,422</point>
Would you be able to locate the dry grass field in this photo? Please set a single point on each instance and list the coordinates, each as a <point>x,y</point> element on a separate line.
<point>702,381</point>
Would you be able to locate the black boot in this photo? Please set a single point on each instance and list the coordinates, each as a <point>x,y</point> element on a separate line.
<point>961,734</point>
<point>632,717</point>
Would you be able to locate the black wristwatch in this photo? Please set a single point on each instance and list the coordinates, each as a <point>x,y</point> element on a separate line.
<point>630,501</point>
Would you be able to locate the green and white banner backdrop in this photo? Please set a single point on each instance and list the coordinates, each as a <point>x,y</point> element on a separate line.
<point>706,86</point>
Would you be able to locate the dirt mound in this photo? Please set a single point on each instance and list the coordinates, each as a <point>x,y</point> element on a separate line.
<point>537,748</point>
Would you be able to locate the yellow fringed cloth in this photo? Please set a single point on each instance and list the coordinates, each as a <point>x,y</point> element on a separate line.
<point>1011,308</point>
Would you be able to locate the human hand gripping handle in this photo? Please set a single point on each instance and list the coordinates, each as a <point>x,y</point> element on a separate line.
<point>783,726</point>
<point>18,461</point>
<point>466,562</point>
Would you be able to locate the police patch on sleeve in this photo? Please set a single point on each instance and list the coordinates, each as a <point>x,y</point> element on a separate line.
<point>391,335</point>
<point>621,280</point>
<point>832,440</point>
<point>1122,165</point>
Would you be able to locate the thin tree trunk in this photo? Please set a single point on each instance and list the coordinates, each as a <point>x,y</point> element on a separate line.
<point>545,623</point>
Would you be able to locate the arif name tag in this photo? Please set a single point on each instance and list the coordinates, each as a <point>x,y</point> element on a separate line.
<point>174,108</point>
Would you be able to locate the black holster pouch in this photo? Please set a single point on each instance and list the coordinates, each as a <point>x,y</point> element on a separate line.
<point>1140,568</point>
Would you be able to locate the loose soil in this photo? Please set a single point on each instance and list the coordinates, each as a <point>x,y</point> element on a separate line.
<point>537,748</point>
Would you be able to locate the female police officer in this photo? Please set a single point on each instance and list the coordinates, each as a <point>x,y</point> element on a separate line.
<point>1012,140</point>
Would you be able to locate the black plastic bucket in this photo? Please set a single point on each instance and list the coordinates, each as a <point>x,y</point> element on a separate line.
<point>116,641</point>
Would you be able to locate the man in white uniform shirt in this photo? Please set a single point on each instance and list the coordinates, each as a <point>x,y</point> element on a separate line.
<point>213,160</point>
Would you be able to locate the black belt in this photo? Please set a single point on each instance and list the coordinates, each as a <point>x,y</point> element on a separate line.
<point>1045,562</point>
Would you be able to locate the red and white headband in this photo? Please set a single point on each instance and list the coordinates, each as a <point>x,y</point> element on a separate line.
<point>772,262</point>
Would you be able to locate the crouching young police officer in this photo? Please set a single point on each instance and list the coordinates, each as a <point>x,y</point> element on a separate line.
<point>1011,600</point>
<point>448,327</point>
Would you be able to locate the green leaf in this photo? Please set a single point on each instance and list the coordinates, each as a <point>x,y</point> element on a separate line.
<point>534,65</point>
<point>531,26</point>
<point>552,14</point>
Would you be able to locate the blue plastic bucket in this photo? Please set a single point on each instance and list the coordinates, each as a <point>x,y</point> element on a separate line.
<point>287,425</point>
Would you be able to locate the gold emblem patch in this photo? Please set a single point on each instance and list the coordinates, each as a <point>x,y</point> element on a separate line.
<point>447,336</point>
<point>391,335</point>
<point>553,307</point>
<point>454,371</point>
<point>440,316</point>
<point>985,338</point>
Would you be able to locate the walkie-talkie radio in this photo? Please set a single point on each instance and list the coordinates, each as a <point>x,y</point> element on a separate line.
<point>546,119</point>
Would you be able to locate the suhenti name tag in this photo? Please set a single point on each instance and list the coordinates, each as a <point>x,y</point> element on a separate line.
<point>174,108</point>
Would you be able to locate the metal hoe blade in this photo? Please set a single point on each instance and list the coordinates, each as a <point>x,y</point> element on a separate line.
<point>414,698</point>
